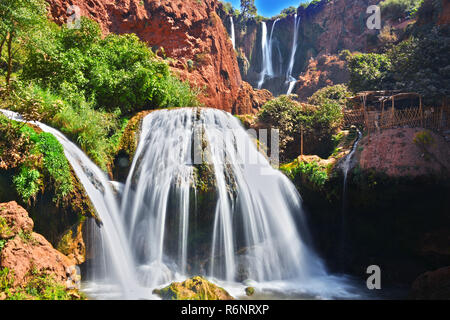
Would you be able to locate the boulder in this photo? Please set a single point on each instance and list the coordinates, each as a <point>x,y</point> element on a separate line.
<point>26,252</point>
<point>13,219</point>
<point>196,288</point>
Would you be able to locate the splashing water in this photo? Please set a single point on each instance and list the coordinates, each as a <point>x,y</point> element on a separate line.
<point>199,199</point>
<point>115,257</point>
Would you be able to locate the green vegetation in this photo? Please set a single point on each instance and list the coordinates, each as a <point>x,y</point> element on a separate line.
<point>369,71</point>
<point>319,124</point>
<point>331,94</point>
<point>82,83</point>
<point>396,9</point>
<point>315,173</point>
<point>419,63</point>
<point>39,286</point>
<point>37,159</point>
<point>196,288</point>
<point>27,183</point>
<point>248,9</point>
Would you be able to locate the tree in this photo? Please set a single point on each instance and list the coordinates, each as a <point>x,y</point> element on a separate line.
<point>248,8</point>
<point>18,19</point>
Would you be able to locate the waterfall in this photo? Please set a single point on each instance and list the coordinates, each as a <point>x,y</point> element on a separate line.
<point>199,199</point>
<point>233,35</point>
<point>289,77</point>
<point>116,253</point>
<point>266,45</point>
<point>250,213</point>
<point>345,168</point>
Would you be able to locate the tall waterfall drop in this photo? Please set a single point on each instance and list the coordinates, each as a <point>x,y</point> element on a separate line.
<point>242,227</point>
<point>117,263</point>
<point>289,78</point>
<point>233,34</point>
<point>266,45</point>
<point>199,199</point>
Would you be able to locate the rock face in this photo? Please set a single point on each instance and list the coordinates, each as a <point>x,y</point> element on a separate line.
<point>434,285</point>
<point>13,219</point>
<point>188,31</point>
<point>395,153</point>
<point>196,288</point>
<point>325,70</point>
<point>26,251</point>
<point>326,28</point>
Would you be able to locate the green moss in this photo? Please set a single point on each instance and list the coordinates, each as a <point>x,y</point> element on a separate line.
<point>40,286</point>
<point>249,291</point>
<point>27,183</point>
<point>5,230</point>
<point>196,288</point>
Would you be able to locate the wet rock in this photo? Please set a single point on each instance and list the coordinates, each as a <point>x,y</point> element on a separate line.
<point>196,288</point>
<point>249,291</point>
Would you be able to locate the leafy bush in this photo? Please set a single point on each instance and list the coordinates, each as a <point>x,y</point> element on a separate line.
<point>337,93</point>
<point>115,72</point>
<point>312,171</point>
<point>419,64</point>
<point>370,71</point>
<point>319,124</point>
<point>395,9</point>
<point>55,163</point>
<point>40,286</point>
<point>27,183</point>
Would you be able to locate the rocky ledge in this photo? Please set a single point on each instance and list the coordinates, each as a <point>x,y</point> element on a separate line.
<point>26,255</point>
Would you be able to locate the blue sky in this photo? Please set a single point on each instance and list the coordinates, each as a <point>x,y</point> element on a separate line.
<point>269,8</point>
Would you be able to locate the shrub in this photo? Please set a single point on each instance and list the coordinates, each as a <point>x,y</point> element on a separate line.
<point>337,93</point>
<point>115,72</point>
<point>27,183</point>
<point>395,9</point>
<point>319,124</point>
<point>369,72</point>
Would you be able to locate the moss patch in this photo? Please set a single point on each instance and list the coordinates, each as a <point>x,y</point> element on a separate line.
<point>196,288</point>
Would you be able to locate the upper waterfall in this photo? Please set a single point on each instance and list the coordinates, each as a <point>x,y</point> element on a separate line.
<point>233,34</point>
<point>266,46</point>
<point>289,78</point>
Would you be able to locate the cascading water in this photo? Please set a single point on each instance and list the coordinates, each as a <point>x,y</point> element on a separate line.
<point>345,168</point>
<point>115,253</point>
<point>289,78</point>
<point>266,45</point>
<point>200,199</point>
<point>233,35</point>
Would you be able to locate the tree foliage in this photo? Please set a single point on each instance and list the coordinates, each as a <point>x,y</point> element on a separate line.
<point>116,72</point>
<point>420,64</point>
<point>248,9</point>
<point>319,124</point>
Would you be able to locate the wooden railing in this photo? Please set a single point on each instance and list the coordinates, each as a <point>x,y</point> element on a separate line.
<point>432,118</point>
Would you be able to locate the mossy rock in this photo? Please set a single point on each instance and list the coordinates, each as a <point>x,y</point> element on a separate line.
<point>249,291</point>
<point>196,288</point>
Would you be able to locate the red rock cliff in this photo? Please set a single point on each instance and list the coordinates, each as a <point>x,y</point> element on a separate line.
<point>189,31</point>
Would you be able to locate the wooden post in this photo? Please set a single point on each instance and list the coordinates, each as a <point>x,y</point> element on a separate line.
<point>301,140</point>
<point>382,114</point>
<point>421,111</point>
<point>393,112</point>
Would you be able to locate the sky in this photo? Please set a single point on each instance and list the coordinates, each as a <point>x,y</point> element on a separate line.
<point>269,8</point>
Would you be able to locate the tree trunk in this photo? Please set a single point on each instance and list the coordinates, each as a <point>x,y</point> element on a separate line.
<point>1,46</point>
<point>8,75</point>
